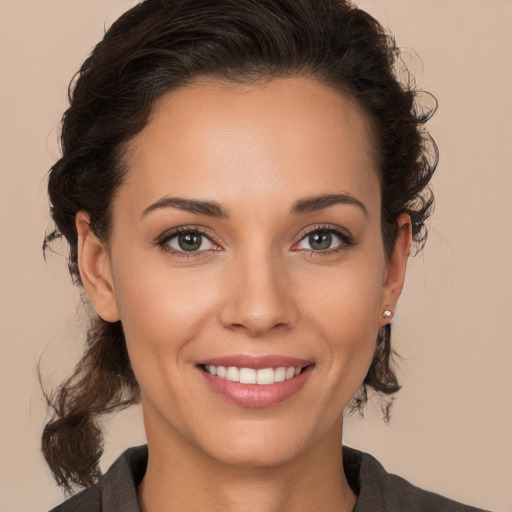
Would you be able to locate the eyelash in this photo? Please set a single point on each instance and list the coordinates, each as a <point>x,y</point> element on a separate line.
<point>346,240</point>
<point>163,241</point>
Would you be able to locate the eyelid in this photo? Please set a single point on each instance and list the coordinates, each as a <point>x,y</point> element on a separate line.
<point>344,235</point>
<point>163,240</point>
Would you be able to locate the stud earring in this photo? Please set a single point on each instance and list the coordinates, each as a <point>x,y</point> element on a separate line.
<point>387,314</point>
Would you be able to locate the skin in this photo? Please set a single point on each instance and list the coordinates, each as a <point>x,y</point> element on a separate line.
<point>258,288</point>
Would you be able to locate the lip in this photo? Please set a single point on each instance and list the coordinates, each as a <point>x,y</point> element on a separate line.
<point>256,362</point>
<point>254,395</point>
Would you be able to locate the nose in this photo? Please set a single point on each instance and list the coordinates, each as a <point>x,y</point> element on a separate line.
<point>258,296</point>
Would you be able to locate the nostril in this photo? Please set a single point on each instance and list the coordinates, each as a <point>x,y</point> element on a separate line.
<point>251,309</point>
<point>259,328</point>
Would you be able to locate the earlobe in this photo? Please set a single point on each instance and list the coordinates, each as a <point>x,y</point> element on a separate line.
<point>395,270</point>
<point>95,270</point>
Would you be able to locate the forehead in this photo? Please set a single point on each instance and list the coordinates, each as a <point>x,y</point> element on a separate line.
<point>270,141</point>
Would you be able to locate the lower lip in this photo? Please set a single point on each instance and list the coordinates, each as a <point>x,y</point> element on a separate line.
<point>257,395</point>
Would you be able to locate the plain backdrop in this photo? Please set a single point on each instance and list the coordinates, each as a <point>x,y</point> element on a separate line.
<point>452,422</point>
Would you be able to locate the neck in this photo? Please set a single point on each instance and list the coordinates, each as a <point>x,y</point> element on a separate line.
<point>180,477</point>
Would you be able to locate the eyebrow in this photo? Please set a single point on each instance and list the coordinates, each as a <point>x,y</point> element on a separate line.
<point>210,208</point>
<point>214,209</point>
<point>322,201</point>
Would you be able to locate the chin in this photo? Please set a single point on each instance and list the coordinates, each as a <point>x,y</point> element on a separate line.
<point>257,456</point>
<point>261,447</point>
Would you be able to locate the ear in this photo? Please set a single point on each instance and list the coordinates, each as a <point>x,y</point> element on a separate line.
<point>95,270</point>
<point>395,269</point>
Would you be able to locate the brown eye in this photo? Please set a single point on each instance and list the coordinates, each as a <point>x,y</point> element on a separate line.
<point>190,241</point>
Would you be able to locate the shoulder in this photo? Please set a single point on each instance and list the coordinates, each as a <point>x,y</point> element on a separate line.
<point>117,488</point>
<point>381,491</point>
<point>89,499</point>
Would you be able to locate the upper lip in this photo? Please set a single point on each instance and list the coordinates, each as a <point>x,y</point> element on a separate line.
<point>256,362</point>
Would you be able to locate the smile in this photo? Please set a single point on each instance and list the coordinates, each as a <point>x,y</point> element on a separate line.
<point>263,376</point>
<point>255,381</point>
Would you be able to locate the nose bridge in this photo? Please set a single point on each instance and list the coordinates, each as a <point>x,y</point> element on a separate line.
<point>258,298</point>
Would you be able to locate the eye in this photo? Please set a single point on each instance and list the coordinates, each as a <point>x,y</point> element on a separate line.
<point>323,240</point>
<point>189,241</point>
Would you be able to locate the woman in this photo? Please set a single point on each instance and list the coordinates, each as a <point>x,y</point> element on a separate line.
<point>240,185</point>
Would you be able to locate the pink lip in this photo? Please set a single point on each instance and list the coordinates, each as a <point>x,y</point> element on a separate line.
<point>256,362</point>
<point>254,395</point>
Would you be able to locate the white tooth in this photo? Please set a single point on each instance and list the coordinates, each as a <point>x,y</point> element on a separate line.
<point>290,372</point>
<point>247,376</point>
<point>233,374</point>
<point>221,372</point>
<point>266,376</point>
<point>297,371</point>
<point>212,369</point>
<point>280,374</point>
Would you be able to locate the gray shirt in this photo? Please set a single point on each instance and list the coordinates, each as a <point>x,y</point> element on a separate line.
<point>377,490</point>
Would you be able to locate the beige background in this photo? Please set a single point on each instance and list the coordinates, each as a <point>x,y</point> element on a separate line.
<point>452,424</point>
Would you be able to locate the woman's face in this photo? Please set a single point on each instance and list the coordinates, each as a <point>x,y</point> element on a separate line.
<point>246,237</point>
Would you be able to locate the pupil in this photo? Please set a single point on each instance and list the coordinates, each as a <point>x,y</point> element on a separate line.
<point>320,240</point>
<point>189,241</point>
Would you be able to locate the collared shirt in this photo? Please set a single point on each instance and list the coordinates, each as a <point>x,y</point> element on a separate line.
<point>377,490</point>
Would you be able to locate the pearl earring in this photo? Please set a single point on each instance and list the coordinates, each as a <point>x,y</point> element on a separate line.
<point>387,314</point>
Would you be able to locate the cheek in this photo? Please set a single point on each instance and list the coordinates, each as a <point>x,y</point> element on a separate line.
<point>160,311</point>
<point>346,300</point>
<point>163,313</point>
<point>344,307</point>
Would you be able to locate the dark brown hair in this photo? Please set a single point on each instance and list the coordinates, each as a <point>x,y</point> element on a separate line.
<point>161,45</point>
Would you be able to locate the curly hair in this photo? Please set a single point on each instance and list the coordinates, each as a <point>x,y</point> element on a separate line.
<point>161,45</point>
